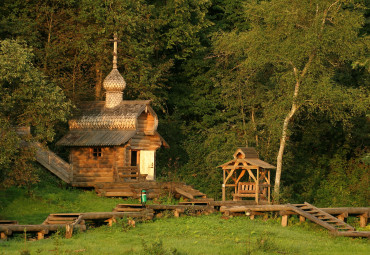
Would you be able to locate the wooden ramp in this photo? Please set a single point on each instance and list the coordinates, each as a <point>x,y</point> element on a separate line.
<point>53,162</point>
<point>326,220</point>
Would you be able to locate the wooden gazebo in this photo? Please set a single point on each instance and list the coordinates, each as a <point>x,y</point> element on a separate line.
<point>249,176</point>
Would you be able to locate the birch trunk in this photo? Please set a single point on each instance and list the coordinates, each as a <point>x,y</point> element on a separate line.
<point>288,118</point>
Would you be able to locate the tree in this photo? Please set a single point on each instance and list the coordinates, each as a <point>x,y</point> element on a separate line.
<point>27,99</point>
<point>303,44</point>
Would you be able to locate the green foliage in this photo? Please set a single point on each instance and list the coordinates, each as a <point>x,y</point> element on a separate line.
<point>27,99</point>
<point>289,62</point>
<point>347,184</point>
<point>219,73</point>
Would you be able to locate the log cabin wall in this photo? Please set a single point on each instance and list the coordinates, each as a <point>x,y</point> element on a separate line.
<point>90,167</point>
<point>121,156</point>
<point>145,142</point>
<point>146,123</point>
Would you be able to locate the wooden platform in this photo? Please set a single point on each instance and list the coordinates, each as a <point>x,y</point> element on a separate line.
<point>321,216</point>
<point>70,222</point>
<point>153,189</point>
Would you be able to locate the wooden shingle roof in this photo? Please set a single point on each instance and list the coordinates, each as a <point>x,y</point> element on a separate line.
<point>96,137</point>
<point>93,115</point>
<point>96,125</point>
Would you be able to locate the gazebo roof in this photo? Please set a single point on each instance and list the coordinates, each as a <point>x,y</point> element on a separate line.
<point>246,155</point>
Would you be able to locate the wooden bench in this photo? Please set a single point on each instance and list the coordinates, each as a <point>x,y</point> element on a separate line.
<point>248,189</point>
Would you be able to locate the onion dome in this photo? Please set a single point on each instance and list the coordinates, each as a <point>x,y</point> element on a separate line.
<point>114,81</point>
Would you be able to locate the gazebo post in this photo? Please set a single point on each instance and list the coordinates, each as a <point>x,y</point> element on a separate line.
<point>257,185</point>
<point>269,188</point>
<point>224,186</point>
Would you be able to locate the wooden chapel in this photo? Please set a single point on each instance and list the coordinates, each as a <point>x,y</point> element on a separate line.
<point>249,175</point>
<point>113,140</point>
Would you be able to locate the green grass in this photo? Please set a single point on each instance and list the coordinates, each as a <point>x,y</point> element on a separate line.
<point>15,204</point>
<point>185,235</point>
<point>195,235</point>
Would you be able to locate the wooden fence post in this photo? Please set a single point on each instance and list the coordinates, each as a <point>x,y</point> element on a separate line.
<point>69,231</point>
<point>363,220</point>
<point>284,220</point>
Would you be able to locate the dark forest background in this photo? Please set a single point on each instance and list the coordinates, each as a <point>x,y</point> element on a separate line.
<point>219,74</point>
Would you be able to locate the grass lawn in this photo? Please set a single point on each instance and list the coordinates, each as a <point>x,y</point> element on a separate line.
<point>195,235</point>
<point>185,235</point>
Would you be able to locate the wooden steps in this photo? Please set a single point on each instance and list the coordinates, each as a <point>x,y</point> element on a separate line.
<point>184,190</point>
<point>129,208</point>
<point>320,217</point>
<point>62,218</point>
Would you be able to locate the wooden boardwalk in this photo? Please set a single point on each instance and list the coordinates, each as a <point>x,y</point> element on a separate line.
<point>153,189</point>
<point>77,221</point>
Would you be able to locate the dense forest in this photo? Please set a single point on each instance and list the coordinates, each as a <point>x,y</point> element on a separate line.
<point>289,77</point>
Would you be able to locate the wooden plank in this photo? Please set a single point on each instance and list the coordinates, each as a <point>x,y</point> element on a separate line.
<point>184,193</point>
<point>174,207</point>
<point>7,222</point>
<point>108,215</point>
<point>93,179</point>
<point>243,208</point>
<point>119,194</point>
<point>37,228</point>
<point>130,206</point>
<point>349,210</point>
<point>94,175</point>
<point>59,221</point>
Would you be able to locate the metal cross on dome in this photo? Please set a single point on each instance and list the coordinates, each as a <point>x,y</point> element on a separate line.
<point>115,41</point>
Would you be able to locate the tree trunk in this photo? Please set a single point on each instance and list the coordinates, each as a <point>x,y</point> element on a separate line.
<point>293,110</point>
<point>99,80</point>
<point>283,139</point>
<point>254,125</point>
<point>47,46</point>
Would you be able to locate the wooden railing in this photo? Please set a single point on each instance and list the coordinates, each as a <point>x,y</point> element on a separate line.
<point>130,173</point>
